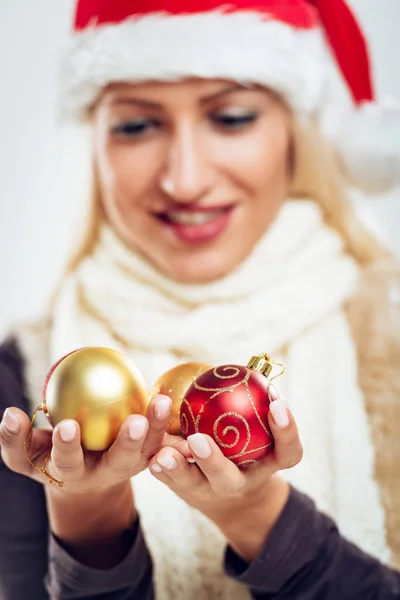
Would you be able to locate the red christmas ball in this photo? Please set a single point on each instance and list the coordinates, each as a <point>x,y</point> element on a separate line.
<point>230,403</point>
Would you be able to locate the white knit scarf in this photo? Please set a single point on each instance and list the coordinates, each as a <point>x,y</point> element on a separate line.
<point>285,299</point>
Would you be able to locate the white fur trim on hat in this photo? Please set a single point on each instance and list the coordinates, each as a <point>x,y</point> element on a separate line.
<point>239,46</point>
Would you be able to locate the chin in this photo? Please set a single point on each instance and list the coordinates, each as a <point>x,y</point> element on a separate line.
<point>197,278</point>
<point>198,270</point>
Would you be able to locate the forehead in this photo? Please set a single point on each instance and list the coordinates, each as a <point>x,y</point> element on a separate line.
<point>194,88</point>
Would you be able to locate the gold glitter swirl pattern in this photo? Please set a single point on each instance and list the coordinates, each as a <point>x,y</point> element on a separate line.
<point>232,428</point>
<point>236,372</point>
<point>217,391</point>
<point>184,424</point>
<point>250,397</point>
<point>195,421</point>
<point>252,450</point>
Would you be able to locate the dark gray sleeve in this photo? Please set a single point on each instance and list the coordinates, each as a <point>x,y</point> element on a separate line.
<point>23,516</point>
<point>33,564</point>
<point>131,579</point>
<point>306,558</point>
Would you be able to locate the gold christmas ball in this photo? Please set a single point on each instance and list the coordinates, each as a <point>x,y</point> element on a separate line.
<point>175,383</point>
<point>99,388</point>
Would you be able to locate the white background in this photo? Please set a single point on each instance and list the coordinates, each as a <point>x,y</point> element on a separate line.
<point>39,203</point>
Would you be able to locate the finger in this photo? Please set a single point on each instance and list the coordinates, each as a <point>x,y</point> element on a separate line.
<point>288,450</point>
<point>171,467</point>
<point>273,394</point>
<point>67,457</point>
<point>158,414</point>
<point>223,475</point>
<point>180,444</point>
<point>125,453</point>
<point>15,427</point>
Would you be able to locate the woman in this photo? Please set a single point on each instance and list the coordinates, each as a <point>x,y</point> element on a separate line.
<point>220,228</point>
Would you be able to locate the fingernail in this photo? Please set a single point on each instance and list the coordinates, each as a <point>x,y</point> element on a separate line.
<point>191,460</point>
<point>199,445</point>
<point>67,430</point>
<point>279,413</point>
<point>273,393</point>
<point>137,429</point>
<point>156,468</point>
<point>11,421</point>
<point>162,408</point>
<point>168,462</point>
<point>285,402</point>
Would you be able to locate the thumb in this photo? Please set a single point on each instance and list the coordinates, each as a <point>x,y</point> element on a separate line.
<point>14,429</point>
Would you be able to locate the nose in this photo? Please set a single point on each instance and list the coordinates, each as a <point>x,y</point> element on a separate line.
<point>187,175</point>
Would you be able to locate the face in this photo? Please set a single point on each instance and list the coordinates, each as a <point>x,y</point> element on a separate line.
<point>193,173</point>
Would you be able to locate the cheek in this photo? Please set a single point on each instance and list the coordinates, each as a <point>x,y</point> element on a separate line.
<point>261,160</point>
<point>126,174</point>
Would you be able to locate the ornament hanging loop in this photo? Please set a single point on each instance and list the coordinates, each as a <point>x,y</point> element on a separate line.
<point>46,460</point>
<point>264,364</point>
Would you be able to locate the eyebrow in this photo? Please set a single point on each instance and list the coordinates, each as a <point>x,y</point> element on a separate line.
<point>156,105</point>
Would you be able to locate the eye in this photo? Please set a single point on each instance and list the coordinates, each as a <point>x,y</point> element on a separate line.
<point>233,121</point>
<point>134,128</point>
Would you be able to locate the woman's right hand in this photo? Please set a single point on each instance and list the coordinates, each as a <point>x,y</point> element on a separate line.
<point>139,438</point>
<point>95,505</point>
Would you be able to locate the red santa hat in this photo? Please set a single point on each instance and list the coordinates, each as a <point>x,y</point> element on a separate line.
<point>290,46</point>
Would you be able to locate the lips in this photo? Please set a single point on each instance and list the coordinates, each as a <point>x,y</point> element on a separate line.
<point>196,225</point>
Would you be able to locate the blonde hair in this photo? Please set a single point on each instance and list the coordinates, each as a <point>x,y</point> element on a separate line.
<point>316,175</point>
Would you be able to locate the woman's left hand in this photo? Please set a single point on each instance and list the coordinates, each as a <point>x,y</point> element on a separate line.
<point>244,503</point>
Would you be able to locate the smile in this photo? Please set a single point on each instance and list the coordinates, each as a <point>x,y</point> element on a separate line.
<point>195,226</point>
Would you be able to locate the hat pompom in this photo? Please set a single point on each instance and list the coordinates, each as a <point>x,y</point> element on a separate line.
<point>367,139</point>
